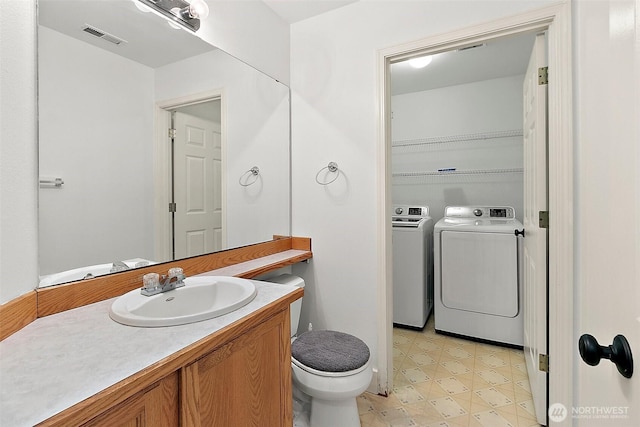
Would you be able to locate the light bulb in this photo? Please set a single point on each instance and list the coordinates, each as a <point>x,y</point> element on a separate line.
<point>420,62</point>
<point>199,9</point>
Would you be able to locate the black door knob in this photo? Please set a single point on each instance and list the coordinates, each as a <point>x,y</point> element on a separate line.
<point>519,232</point>
<point>619,353</point>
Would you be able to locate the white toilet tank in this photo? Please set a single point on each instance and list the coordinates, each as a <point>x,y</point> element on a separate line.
<point>296,306</point>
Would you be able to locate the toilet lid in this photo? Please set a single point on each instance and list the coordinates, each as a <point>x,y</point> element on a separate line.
<point>330,351</point>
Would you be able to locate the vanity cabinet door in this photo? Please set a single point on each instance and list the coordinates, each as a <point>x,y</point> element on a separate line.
<point>154,406</point>
<point>246,382</point>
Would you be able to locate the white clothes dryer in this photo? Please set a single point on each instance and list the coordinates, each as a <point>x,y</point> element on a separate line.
<point>478,280</point>
<point>412,266</point>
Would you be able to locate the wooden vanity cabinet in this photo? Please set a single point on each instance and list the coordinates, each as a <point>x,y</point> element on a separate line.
<point>155,406</point>
<point>238,377</point>
<point>246,382</point>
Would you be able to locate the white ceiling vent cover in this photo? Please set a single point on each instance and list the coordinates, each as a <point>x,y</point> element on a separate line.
<point>102,34</point>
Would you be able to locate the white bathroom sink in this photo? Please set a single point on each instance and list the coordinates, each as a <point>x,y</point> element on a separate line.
<point>200,299</point>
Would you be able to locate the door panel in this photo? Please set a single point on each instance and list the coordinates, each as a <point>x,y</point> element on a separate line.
<point>246,382</point>
<point>607,207</point>
<point>197,186</point>
<point>535,240</point>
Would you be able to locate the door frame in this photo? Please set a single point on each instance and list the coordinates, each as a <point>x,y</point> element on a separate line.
<point>163,233</point>
<point>556,20</point>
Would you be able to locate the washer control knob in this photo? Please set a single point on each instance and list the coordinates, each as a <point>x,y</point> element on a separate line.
<point>477,212</point>
<point>399,211</point>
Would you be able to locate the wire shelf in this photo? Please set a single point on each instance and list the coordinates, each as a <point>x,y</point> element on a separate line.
<point>472,176</point>
<point>457,172</point>
<point>457,138</point>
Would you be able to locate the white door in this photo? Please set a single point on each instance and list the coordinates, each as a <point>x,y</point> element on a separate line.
<point>607,208</point>
<point>535,240</point>
<point>197,186</point>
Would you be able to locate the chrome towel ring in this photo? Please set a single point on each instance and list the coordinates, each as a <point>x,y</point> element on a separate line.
<point>253,172</point>
<point>332,167</point>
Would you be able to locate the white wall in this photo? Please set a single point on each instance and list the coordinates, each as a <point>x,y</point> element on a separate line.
<point>474,108</point>
<point>18,150</point>
<point>95,132</point>
<point>335,118</point>
<point>257,134</point>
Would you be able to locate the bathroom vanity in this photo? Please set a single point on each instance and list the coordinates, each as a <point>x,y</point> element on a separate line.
<point>80,368</point>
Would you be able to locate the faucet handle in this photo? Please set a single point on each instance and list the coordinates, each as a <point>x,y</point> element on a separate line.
<point>176,272</point>
<point>150,281</point>
<point>176,276</point>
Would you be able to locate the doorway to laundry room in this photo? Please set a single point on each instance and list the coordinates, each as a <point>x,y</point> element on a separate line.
<point>458,138</point>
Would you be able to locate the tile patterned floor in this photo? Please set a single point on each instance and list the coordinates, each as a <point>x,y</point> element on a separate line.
<point>449,382</point>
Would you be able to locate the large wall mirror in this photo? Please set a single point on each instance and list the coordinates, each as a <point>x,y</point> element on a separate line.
<point>117,187</point>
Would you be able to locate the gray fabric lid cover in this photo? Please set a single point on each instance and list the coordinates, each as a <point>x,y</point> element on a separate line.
<point>330,351</point>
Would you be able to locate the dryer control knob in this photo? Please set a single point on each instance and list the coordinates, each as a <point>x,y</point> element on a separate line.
<point>398,211</point>
<point>477,212</point>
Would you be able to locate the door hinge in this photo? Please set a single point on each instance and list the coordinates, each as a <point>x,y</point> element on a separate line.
<point>543,362</point>
<point>543,75</point>
<point>172,207</point>
<point>543,219</point>
<point>172,133</point>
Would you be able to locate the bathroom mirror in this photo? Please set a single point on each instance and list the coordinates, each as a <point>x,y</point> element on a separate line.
<point>111,80</point>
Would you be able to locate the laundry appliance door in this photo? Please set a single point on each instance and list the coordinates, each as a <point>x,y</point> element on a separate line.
<point>480,272</point>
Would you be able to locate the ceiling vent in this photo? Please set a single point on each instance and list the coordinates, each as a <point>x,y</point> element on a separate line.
<point>102,34</point>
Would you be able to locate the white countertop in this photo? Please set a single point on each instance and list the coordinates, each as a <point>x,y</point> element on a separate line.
<point>60,360</point>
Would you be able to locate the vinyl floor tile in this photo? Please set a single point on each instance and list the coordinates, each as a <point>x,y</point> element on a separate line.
<point>442,381</point>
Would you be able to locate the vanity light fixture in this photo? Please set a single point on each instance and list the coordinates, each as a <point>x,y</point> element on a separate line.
<point>182,12</point>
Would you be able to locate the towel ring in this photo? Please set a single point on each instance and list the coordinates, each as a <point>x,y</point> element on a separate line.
<point>254,171</point>
<point>331,167</point>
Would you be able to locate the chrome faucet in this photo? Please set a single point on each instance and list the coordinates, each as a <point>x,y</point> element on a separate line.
<point>154,284</point>
<point>119,266</point>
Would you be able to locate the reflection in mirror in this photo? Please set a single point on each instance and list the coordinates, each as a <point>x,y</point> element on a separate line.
<point>194,122</point>
<point>105,111</point>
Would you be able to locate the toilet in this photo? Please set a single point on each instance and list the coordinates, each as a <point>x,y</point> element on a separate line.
<point>329,368</point>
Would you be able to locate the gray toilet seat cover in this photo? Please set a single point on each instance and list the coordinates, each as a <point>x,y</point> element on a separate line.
<point>330,351</point>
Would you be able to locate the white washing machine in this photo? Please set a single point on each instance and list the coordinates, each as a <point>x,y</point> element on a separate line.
<point>478,280</point>
<point>412,266</point>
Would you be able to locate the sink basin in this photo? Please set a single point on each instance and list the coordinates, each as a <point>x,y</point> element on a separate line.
<point>200,299</point>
